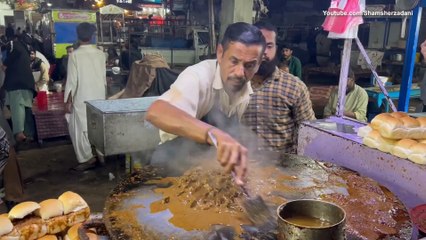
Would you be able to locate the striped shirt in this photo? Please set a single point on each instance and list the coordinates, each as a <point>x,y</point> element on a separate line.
<point>276,109</point>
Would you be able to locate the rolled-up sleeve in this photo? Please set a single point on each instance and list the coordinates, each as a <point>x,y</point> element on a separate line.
<point>184,94</point>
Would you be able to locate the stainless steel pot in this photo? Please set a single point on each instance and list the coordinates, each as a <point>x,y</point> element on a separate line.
<point>308,219</point>
<point>397,57</point>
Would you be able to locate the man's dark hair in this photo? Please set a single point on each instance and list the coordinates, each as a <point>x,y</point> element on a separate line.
<point>351,74</point>
<point>286,46</point>
<point>244,33</point>
<point>85,31</point>
<point>69,46</point>
<point>266,25</point>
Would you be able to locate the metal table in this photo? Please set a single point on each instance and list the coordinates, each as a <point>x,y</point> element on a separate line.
<point>119,126</point>
<point>379,97</point>
<point>334,140</point>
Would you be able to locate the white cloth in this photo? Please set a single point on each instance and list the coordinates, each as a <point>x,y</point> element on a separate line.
<point>44,59</point>
<point>376,58</point>
<point>86,80</point>
<point>195,91</point>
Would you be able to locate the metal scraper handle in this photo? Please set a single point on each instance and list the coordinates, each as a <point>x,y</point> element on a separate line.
<point>214,141</point>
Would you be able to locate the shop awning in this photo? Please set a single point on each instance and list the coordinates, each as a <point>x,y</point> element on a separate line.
<point>111,9</point>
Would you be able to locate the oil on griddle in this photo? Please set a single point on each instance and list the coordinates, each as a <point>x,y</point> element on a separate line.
<point>201,198</point>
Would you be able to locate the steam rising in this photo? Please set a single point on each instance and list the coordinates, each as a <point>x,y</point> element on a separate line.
<point>180,154</point>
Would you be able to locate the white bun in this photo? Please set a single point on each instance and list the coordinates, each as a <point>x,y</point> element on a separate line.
<point>50,208</point>
<point>375,140</point>
<point>364,131</point>
<point>72,233</point>
<point>418,154</point>
<point>399,125</point>
<point>72,202</point>
<point>78,217</point>
<point>23,209</point>
<point>5,225</point>
<point>402,148</point>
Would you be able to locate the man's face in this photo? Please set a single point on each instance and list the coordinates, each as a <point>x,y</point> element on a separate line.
<point>350,86</point>
<point>238,64</point>
<point>287,52</point>
<point>32,55</point>
<point>269,57</point>
<point>69,51</point>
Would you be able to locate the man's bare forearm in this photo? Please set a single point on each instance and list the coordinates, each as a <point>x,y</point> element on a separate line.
<point>175,121</point>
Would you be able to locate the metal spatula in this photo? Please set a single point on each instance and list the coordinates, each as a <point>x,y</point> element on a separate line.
<point>255,208</point>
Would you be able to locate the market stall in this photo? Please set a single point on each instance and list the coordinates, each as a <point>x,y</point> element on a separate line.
<point>111,25</point>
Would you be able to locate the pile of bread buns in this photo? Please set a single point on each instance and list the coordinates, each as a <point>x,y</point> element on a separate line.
<point>398,134</point>
<point>49,219</point>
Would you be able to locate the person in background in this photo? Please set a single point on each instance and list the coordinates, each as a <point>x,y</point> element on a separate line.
<point>130,54</point>
<point>86,80</point>
<point>280,101</point>
<point>113,58</point>
<point>356,101</point>
<point>64,63</point>
<point>423,83</point>
<point>40,72</point>
<point>19,84</point>
<point>10,32</point>
<point>294,64</point>
<point>12,179</point>
<point>211,95</point>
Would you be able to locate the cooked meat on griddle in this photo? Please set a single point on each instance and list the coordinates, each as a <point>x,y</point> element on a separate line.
<point>206,189</point>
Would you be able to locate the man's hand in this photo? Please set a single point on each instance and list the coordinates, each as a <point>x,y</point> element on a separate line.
<point>349,114</point>
<point>68,107</point>
<point>231,155</point>
<point>423,49</point>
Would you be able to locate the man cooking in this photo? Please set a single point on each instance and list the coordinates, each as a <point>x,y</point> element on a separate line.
<point>216,90</point>
<point>280,101</point>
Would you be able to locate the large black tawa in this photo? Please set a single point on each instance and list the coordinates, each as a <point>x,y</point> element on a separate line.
<point>127,209</point>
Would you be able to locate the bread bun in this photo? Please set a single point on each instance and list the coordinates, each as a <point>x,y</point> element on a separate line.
<point>23,209</point>
<point>5,225</point>
<point>398,114</point>
<point>375,140</point>
<point>78,217</point>
<point>387,125</point>
<point>50,208</point>
<point>399,125</point>
<point>372,139</point>
<point>72,202</point>
<point>422,121</point>
<point>402,148</point>
<point>56,224</point>
<point>364,131</point>
<point>418,153</point>
<point>410,122</point>
<point>72,233</point>
<point>49,237</point>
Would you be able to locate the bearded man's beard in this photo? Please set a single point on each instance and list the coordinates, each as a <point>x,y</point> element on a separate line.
<point>267,68</point>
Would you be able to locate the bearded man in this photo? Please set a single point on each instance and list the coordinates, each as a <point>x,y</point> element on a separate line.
<point>280,101</point>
